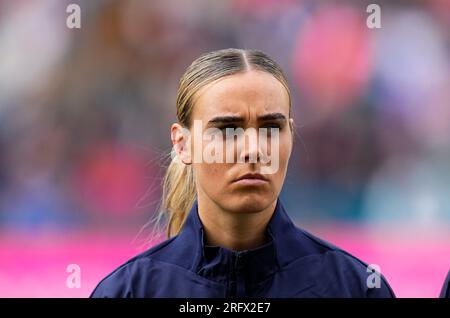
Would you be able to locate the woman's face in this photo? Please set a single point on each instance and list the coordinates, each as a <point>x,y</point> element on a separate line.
<point>254,100</point>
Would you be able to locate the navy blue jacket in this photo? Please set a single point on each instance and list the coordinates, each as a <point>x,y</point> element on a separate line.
<point>445,292</point>
<point>293,263</point>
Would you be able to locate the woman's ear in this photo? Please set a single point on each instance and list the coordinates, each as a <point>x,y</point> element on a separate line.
<point>181,142</point>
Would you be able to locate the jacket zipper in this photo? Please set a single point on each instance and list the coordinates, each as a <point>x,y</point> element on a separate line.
<point>231,291</point>
<point>236,281</point>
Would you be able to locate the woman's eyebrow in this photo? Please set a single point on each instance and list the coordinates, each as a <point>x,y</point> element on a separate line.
<point>272,116</point>
<point>239,119</point>
<point>225,120</point>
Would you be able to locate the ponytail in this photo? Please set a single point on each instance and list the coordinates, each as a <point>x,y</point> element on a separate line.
<point>179,194</point>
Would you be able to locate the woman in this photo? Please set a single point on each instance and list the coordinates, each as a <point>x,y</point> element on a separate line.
<point>229,234</point>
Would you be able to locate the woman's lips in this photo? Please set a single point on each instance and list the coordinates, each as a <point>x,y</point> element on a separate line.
<point>252,179</point>
<point>251,182</point>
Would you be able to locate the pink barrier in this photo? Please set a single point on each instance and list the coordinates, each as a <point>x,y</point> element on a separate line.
<point>36,265</point>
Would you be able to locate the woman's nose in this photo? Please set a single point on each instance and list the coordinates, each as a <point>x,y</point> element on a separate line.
<point>250,148</point>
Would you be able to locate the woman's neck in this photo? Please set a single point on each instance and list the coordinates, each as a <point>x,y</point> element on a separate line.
<point>236,231</point>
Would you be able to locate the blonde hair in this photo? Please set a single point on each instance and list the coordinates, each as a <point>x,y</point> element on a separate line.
<point>179,192</point>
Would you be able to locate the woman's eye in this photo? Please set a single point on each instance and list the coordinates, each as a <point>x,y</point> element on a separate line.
<point>272,126</point>
<point>231,131</point>
<point>224,128</point>
<point>229,126</point>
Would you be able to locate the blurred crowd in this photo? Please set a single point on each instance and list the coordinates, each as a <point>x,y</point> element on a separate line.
<point>85,113</point>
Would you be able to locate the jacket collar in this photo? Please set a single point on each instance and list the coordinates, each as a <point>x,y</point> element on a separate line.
<point>216,263</point>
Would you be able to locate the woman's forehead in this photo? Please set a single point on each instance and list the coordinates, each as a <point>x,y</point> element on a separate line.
<point>244,94</point>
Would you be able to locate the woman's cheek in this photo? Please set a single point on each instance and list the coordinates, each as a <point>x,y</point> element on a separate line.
<point>213,173</point>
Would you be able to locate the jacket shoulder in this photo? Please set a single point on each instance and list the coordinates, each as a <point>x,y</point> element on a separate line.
<point>344,274</point>
<point>445,292</point>
<point>118,284</point>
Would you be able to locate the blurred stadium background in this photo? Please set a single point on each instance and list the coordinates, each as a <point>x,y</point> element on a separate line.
<point>85,116</point>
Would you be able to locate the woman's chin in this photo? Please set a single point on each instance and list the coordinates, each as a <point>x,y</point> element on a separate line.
<point>250,203</point>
